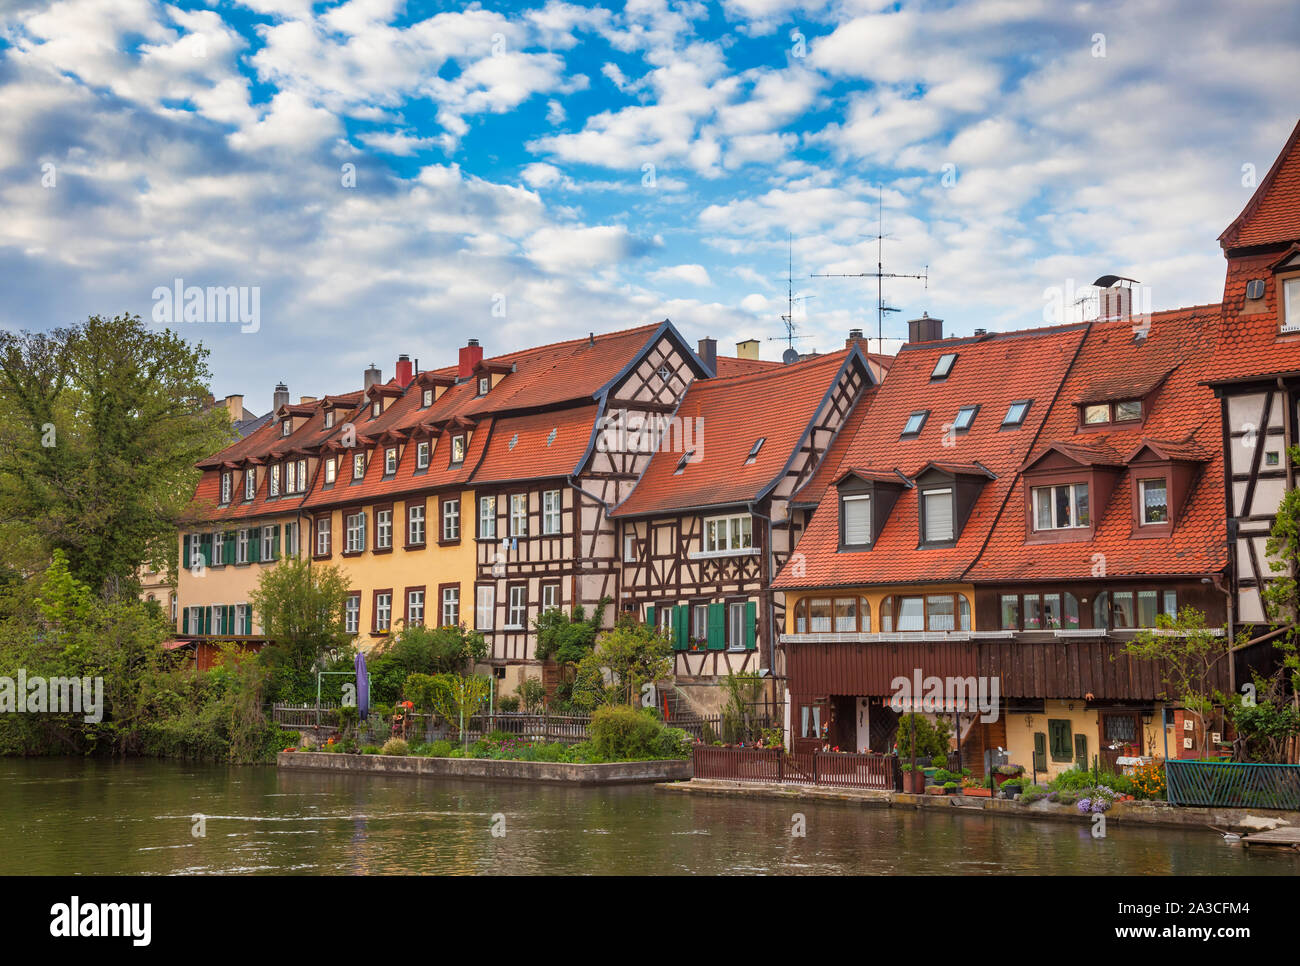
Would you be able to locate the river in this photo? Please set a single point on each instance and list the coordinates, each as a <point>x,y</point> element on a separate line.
<point>72,816</point>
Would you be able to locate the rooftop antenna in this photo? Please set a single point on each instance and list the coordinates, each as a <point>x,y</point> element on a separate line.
<point>791,300</point>
<point>880,274</point>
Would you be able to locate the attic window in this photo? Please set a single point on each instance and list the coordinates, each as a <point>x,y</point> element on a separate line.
<point>1016,413</point>
<point>484,384</point>
<point>376,408</point>
<point>965,416</point>
<point>915,422</point>
<point>944,365</point>
<point>681,463</point>
<point>1121,411</point>
<point>458,449</point>
<point>426,399</point>
<point>390,461</point>
<point>286,427</point>
<point>1291,305</point>
<point>550,437</point>
<point>329,419</point>
<point>753,451</point>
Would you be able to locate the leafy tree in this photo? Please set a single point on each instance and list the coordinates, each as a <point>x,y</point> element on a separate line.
<point>301,609</point>
<point>1266,721</point>
<point>743,691</point>
<point>625,658</point>
<point>100,427</point>
<point>422,650</point>
<point>567,639</point>
<point>1281,594</point>
<point>459,697</point>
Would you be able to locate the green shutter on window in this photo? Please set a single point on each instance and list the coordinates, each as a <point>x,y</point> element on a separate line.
<point>254,544</point>
<point>185,620</point>
<point>275,543</point>
<point>185,552</point>
<point>681,627</point>
<point>751,619</point>
<point>228,547</point>
<point>650,616</point>
<point>1040,751</point>
<point>205,548</point>
<point>288,542</point>
<point>717,627</point>
<point>1059,739</point>
<point>207,620</point>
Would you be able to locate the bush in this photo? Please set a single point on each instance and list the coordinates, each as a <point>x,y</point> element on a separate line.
<point>507,704</point>
<point>395,746</point>
<point>931,738</point>
<point>623,733</point>
<point>369,749</point>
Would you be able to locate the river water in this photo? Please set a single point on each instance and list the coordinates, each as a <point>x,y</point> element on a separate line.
<point>139,817</point>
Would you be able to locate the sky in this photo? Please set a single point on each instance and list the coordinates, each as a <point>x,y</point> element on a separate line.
<point>377,177</point>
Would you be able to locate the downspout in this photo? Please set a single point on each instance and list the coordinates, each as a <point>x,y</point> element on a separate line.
<point>769,607</point>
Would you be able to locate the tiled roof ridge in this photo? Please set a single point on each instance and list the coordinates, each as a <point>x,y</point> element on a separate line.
<point>1232,233</point>
<point>552,346</point>
<point>959,340</point>
<point>744,378</point>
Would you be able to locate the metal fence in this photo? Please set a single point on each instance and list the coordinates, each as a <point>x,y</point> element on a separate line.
<point>881,772</point>
<point>1232,784</point>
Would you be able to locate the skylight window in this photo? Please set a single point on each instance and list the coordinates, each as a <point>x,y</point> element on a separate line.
<point>753,452</point>
<point>681,463</point>
<point>1016,413</point>
<point>965,416</point>
<point>915,422</point>
<point>944,365</point>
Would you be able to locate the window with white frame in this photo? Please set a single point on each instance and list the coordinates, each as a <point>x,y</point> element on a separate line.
<point>415,607</point>
<point>358,465</point>
<point>352,614</point>
<point>451,519</point>
<point>1061,507</point>
<point>268,543</point>
<point>390,461</point>
<point>291,539</point>
<point>225,487</point>
<point>329,419</point>
<point>302,475</point>
<point>487,517</point>
<point>485,602</point>
<point>415,525</point>
<point>383,529</point>
<point>286,427</point>
<point>290,477</point>
<point>322,536</point>
<point>728,534</point>
<point>450,606</point>
<point>629,546</point>
<point>736,625</point>
<point>376,408</point>
<point>250,483</point>
<point>700,622</point>
<point>383,611</point>
<point>550,512</point>
<point>937,508</point>
<point>517,607</point>
<point>241,546</point>
<point>857,519</point>
<point>519,514</point>
<point>219,547</point>
<point>426,399</point>
<point>243,619</point>
<point>550,597</point>
<point>422,455</point>
<point>1153,501</point>
<point>458,449</point>
<point>331,470</point>
<point>1291,304</point>
<point>355,532</point>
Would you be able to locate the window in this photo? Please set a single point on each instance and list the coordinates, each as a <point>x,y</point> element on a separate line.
<point>415,606</point>
<point>1291,304</point>
<point>291,539</point>
<point>355,532</point>
<point>290,479</point>
<point>450,606</point>
<point>1128,409</point>
<point>487,517</point>
<point>458,449</point>
<point>329,419</point>
<point>1060,740</point>
<point>390,461</point>
<point>736,625</point>
<point>519,514</point>
<point>426,399</point>
<point>841,615</point>
<point>629,547</point>
<point>241,547</point>
<point>250,483</point>
<point>484,384</point>
<point>1009,607</point>
<point>422,455</point>
<point>383,610</point>
<point>268,543</point>
<point>728,534</point>
<point>286,427</point>
<point>937,510</point>
<point>944,365</point>
<point>551,511</point>
<point>933,612</point>
<point>857,520</point>
<point>358,465</point>
<point>415,525</point>
<point>965,416</point>
<point>352,614</point>
<point>225,487</point>
<point>243,619</point>
<point>700,622</point>
<point>218,548</point>
<point>1099,414</point>
<point>450,520</point>
<point>915,422</point>
<point>1042,612</point>
<point>550,597</point>
<point>1129,610</point>
<point>517,610</point>
<point>331,469</point>
<point>384,529</point>
<point>376,408</point>
<point>323,537</point>
<point>753,451</point>
<point>302,475</point>
<point>1153,501</point>
<point>485,599</point>
<point>1063,507</point>
<point>1016,413</point>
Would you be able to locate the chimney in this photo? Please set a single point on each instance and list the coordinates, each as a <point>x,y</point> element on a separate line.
<point>1115,297</point>
<point>747,349</point>
<point>925,329</point>
<point>981,332</point>
<point>304,400</point>
<point>403,372</point>
<point>709,353</point>
<point>281,397</point>
<point>372,376</point>
<point>235,407</point>
<point>471,354</point>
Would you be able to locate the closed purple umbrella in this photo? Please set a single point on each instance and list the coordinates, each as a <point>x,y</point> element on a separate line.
<point>363,687</point>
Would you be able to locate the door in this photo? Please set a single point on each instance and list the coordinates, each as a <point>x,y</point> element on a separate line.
<point>1121,733</point>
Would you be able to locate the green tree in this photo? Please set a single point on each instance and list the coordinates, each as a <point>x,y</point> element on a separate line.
<point>567,639</point>
<point>624,659</point>
<point>1281,594</point>
<point>301,609</point>
<point>101,425</point>
<point>459,697</point>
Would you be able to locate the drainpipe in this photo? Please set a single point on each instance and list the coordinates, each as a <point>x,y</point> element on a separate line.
<point>769,609</point>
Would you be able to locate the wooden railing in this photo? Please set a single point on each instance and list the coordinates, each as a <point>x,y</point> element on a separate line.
<point>1232,784</point>
<point>299,716</point>
<point>810,768</point>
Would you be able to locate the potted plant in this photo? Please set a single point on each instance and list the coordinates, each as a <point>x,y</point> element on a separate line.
<point>1011,787</point>
<point>1005,773</point>
<point>950,788</point>
<point>913,780</point>
<point>935,790</point>
<point>973,788</point>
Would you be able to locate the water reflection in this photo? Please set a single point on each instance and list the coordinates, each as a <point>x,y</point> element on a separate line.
<point>135,817</point>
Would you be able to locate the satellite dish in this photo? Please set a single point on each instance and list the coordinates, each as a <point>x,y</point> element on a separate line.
<point>790,355</point>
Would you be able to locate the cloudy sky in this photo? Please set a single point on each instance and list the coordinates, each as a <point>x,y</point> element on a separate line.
<point>397,177</point>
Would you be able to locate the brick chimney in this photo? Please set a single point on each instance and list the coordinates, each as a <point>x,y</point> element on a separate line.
<point>372,376</point>
<point>747,349</point>
<point>280,398</point>
<point>708,352</point>
<point>471,354</point>
<point>235,407</point>
<point>1115,298</point>
<point>925,329</point>
<point>403,371</point>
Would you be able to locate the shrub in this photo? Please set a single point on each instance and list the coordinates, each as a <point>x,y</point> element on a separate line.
<point>369,749</point>
<point>623,733</point>
<point>395,746</point>
<point>931,738</point>
<point>508,704</point>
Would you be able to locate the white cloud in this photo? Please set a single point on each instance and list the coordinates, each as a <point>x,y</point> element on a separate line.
<point>690,274</point>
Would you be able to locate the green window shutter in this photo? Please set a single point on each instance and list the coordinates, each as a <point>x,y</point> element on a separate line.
<point>205,548</point>
<point>254,544</point>
<point>286,537</point>
<point>248,616</point>
<point>681,627</point>
<point>275,544</point>
<point>230,618</point>
<point>717,627</point>
<point>751,620</point>
<point>228,547</point>
<point>1040,751</point>
<point>185,620</point>
<point>1059,735</point>
<point>205,617</point>
<point>650,616</point>
<point>185,552</point>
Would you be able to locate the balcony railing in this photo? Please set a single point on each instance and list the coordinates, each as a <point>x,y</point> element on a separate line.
<point>881,772</point>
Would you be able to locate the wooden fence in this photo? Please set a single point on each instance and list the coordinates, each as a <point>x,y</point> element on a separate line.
<point>1232,784</point>
<point>810,768</point>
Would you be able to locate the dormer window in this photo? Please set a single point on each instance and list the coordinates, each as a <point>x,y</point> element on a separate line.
<point>1094,415</point>
<point>1290,303</point>
<point>914,423</point>
<point>422,455</point>
<point>376,408</point>
<point>250,483</point>
<point>275,480</point>
<point>286,427</point>
<point>1016,413</point>
<point>358,466</point>
<point>937,515</point>
<point>753,450</point>
<point>390,461</point>
<point>1063,507</point>
<point>1153,501</point>
<point>855,511</point>
<point>484,384</point>
<point>331,469</point>
<point>225,487</point>
<point>458,449</point>
<point>1128,409</point>
<point>965,416</point>
<point>426,399</point>
<point>1120,411</point>
<point>329,419</point>
<point>944,366</point>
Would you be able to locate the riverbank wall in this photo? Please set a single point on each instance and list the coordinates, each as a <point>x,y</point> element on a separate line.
<point>612,773</point>
<point>1157,814</point>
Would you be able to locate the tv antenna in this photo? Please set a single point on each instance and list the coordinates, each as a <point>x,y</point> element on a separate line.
<point>880,274</point>
<point>791,300</point>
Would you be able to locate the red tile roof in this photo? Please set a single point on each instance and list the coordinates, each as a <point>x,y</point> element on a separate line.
<point>990,371</point>
<point>546,444</point>
<point>724,417</point>
<point>829,470</point>
<point>1272,214</point>
<point>1182,423</point>
<point>732,366</point>
<point>1251,344</point>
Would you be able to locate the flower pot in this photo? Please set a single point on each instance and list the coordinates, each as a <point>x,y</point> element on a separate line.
<point>977,792</point>
<point>935,790</point>
<point>914,782</point>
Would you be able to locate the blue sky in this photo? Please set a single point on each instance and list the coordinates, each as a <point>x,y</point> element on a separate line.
<point>584,167</point>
